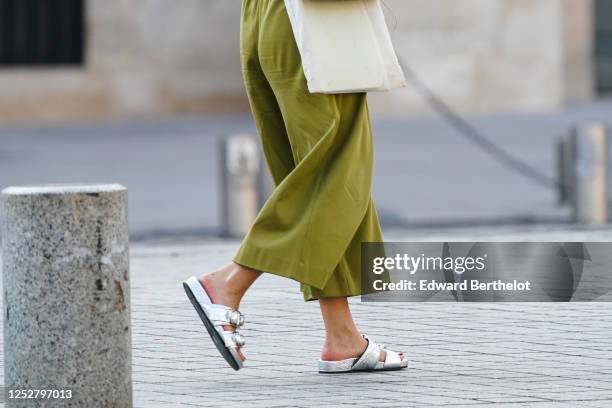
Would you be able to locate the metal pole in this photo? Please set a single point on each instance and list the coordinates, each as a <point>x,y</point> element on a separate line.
<point>591,168</point>
<point>560,170</point>
<point>569,164</point>
<point>566,155</point>
<point>240,167</point>
<point>266,184</point>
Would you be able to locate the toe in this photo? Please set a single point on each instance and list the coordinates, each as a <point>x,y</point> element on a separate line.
<point>242,357</point>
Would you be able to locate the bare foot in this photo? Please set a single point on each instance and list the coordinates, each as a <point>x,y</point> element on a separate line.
<point>216,289</point>
<point>348,347</point>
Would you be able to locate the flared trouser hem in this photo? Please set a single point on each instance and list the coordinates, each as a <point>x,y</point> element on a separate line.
<point>345,279</point>
<point>260,260</point>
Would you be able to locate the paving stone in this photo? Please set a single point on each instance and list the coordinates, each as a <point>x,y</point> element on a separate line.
<point>461,355</point>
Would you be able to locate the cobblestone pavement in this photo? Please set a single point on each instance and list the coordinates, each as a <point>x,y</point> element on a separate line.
<point>485,354</point>
<point>513,355</point>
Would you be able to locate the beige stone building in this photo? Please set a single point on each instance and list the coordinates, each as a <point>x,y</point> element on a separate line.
<point>90,59</point>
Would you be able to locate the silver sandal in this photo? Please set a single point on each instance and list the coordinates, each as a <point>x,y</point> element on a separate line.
<point>214,318</point>
<point>368,361</point>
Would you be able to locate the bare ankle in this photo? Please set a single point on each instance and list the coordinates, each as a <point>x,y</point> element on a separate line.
<point>340,347</point>
<point>343,338</point>
<point>229,284</point>
<point>220,289</point>
<point>346,337</point>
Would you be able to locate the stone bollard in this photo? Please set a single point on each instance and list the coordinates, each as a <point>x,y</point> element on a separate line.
<point>266,183</point>
<point>240,173</point>
<point>565,169</point>
<point>66,295</point>
<point>591,164</point>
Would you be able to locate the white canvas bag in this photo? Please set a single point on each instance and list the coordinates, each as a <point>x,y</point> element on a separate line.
<point>345,46</point>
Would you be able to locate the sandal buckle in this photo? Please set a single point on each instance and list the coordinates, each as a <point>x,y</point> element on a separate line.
<point>235,318</point>
<point>238,339</point>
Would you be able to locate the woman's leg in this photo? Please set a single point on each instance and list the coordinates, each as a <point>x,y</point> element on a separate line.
<point>342,338</point>
<point>228,285</point>
<point>319,151</point>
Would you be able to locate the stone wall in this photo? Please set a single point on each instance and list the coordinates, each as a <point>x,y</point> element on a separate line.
<point>493,55</point>
<point>144,58</point>
<point>158,57</point>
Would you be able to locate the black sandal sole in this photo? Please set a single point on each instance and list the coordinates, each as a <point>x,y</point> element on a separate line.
<point>363,371</point>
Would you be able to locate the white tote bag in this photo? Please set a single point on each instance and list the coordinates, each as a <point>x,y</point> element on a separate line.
<point>345,46</point>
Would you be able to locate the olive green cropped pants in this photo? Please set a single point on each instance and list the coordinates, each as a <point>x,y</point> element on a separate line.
<point>318,148</point>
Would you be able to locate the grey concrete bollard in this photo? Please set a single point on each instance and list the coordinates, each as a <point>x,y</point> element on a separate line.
<point>591,173</point>
<point>566,157</point>
<point>66,294</point>
<point>240,183</point>
<point>561,164</point>
<point>266,183</point>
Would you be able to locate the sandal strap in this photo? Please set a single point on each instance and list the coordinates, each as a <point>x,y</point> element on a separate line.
<point>369,359</point>
<point>392,359</point>
<point>222,315</point>
<point>233,339</point>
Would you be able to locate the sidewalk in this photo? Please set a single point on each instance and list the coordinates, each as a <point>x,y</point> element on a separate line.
<point>540,355</point>
<point>536,355</point>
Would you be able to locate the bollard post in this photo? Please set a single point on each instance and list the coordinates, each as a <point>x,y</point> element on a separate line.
<point>266,184</point>
<point>65,270</point>
<point>590,144</point>
<point>562,179</point>
<point>565,169</point>
<point>240,169</point>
